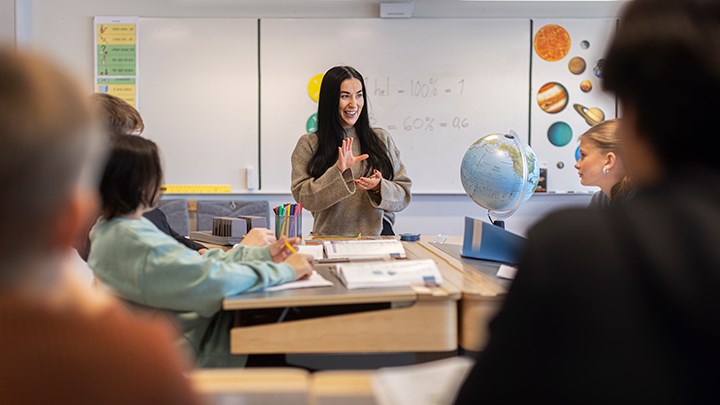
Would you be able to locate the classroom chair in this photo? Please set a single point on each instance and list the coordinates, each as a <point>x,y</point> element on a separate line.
<point>209,209</point>
<point>176,211</point>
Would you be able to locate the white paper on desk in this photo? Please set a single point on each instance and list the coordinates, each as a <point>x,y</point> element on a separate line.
<point>507,272</point>
<point>315,280</point>
<point>316,251</point>
<point>436,382</point>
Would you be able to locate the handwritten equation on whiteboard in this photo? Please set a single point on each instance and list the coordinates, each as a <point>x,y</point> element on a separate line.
<point>432,89</point>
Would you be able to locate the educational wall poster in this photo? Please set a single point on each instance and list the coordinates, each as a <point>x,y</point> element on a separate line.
<point>566,98</point>
<point>116,58</point>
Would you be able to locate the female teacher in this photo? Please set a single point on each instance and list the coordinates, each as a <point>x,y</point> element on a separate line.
<point>347,174</point>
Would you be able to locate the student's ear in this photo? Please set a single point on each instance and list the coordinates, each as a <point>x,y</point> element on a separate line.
<point>74,218</point>
<point>610,160</point>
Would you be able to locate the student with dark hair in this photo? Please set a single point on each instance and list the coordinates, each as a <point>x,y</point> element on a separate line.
<point>60,342</point>
<point>120,118</point>
<point>601,164</point>
<point>150,269</point>
<point>348,174</point>
<point>621,305</point>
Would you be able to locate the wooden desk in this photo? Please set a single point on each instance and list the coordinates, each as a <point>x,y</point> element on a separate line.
<point>481,294</point>
<point>419,319</point>
<point>270,386</point>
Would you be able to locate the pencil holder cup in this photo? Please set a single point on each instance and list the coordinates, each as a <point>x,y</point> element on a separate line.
<point>289,226</point>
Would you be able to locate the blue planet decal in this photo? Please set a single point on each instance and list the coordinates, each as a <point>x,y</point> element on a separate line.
<point>560,133</point>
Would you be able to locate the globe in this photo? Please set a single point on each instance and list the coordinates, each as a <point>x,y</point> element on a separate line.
<point>499,172</point>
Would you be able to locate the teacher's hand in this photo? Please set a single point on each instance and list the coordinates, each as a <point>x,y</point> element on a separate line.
<point>346,159</point>
<point>371,183</point>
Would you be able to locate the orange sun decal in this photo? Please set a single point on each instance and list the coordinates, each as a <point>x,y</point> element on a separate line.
<point>552,42</point>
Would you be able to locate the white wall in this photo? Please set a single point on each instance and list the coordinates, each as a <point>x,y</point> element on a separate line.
<point>7,21</point>
<point>64,29</point>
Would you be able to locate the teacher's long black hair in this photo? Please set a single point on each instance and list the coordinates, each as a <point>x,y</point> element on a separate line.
<point>330,132</point>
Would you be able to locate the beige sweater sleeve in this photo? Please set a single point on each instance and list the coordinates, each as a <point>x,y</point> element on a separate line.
<point>394,195</point>
<point>323,192</point>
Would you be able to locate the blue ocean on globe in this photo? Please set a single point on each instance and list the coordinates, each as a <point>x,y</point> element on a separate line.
<point>492,172</point>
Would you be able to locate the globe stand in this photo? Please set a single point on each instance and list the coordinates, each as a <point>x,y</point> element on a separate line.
<point>500,224</point>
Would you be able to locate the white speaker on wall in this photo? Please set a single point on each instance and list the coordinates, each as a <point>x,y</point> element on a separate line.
<point>396,10</point>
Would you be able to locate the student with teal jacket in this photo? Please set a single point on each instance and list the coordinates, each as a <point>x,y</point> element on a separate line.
<point>150,269</point>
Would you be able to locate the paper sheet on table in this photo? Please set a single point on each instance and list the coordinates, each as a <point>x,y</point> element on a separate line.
<point>435,382</point>
<point>316,251</point>
<point>315,280</point>
<point>507,272</point>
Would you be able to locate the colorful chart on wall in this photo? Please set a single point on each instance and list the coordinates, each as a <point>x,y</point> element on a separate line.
<point>116,57</point>
<point>566,95</point>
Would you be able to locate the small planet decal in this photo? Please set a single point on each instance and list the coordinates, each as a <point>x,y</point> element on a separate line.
<point>560,165</point>
<point>577,65</point>
<point>599,68</point>
<point>552,42</point>
<point>577,154</point>
<point>586,86</point>
<point>311,124</point>
<point>592,116</point>
<point>313,87</point>
<point>552,97</point>
<point>560,134</point>
<point>585,44</point>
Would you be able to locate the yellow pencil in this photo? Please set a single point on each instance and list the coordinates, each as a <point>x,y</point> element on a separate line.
<point>289,246</point>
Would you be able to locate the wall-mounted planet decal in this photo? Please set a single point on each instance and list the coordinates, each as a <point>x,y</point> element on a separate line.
<point>586,86</point>
<point>552,42</point>
<point>311,124</point>
<point>598,69</point>
<point>560,134</point>
<point>560,165</point>
<point>592,116</point>
<point>313,87</point>
<point>577,153</point>
<point>577,65</point>
<point>585,44</point>
<point>552,97</point>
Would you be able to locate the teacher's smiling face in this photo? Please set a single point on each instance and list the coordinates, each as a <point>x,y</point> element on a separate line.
<point>351,102</point>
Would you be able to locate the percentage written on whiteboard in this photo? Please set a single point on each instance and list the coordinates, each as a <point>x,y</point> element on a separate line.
<point>426,123</point>
<point>423,88</point>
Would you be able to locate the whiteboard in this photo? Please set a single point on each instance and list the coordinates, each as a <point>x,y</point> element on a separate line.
<point>198,96</point>
<point>435,85</point>
<point>554,135</point>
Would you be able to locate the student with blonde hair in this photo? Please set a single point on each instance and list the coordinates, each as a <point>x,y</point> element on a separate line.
<point>601,164</point>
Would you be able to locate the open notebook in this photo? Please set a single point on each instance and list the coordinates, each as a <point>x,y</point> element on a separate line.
<point>363,249</point>
<point>389,274</point>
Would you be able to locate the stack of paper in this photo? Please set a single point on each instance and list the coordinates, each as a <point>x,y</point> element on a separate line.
<point>315,280</point>
<point>389,274</point>
<point>363,249</point>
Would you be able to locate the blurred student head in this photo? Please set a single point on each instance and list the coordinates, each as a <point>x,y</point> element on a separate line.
<point>664,65</point>
<point>48,160</point>
<point>116,115</point>
<point>132,176</point>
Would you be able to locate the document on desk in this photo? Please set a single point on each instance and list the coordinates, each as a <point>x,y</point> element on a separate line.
<point>389,274</point>
<point>316,251</point>
<point>363,249</point>
<point>315,280</point>
<point>435,382</point>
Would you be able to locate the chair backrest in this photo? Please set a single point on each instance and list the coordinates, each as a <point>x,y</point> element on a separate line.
<point>176,211</point>
<point>209,209</point>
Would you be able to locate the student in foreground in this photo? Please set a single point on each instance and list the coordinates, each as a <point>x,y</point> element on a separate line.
<point>348,174</point>
<point>150,269</point>
<point>622,305</point>
<point>601,164</point>
<point>58,343</point>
